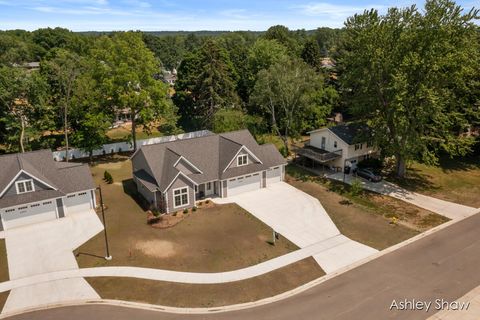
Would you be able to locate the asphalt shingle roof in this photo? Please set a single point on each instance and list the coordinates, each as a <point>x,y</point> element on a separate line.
<point>210,154</point>
<point>351,133</point>
<point>63,177</point>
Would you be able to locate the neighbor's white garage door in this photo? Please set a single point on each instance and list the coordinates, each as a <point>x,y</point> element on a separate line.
<point>78,202</point>
<point>274,175</point>
<point>243,184</point>
<point>28,214</point>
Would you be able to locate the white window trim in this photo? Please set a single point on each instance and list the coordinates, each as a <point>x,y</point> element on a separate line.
<point>238,152</point>
<point>183,204</point>
<point>241,156</point>
<point>23,182</point>
<point>28,174</point>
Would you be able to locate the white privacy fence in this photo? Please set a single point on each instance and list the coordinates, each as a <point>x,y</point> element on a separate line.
<point>125,146</point>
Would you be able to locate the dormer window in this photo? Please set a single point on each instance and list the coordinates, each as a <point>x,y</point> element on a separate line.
<point>24,186</point>
<point>242,160</point>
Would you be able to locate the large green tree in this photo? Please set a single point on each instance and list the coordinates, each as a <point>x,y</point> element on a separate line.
<point>123,71</point>
<point>207,83</point>
<point>289,92</point>
<point>407,73</point>
<point>22,107</point>
<point>62,68</point>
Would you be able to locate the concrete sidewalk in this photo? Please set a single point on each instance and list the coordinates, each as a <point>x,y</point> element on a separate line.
<point>301,219</point>
<point>177,276</point>
<point>48,247</point>
<point>472,312</point>
<point>445,208</point>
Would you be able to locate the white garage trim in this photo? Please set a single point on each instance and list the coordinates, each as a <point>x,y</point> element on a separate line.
<point>274,175</point>
<point>245,183</point>
<point>29,213</point>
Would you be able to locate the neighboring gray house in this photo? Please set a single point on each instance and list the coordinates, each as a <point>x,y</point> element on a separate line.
<point>172,176</point>
<point>35,188</point>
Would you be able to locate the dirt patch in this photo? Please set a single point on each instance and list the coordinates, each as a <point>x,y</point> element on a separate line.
<point>157,248</point>
<point>110,166</point>
<point>214,238</point>
<point>200,295</point>
<point>3,262</point>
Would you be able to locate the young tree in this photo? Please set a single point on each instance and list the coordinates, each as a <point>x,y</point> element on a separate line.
<point>22,100</point>
<point>288,92</point>
<point>123,70</point>
<point>406,74</point>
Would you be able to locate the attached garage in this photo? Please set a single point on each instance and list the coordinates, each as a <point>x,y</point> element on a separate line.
<point>28,214</point>
<point>243,184</point>
<point>78,202</point>
<point>274,175</point>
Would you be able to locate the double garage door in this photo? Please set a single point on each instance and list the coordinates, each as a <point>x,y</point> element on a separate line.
<point>244,184</point>
<point>28,214</point>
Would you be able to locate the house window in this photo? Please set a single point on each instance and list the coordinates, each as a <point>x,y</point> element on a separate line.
<point>180,197</point>
<point>334,144</point>
<point>359,146</point>
<point>209,186</point>
<point>24,186</point>
<point>242,160</point>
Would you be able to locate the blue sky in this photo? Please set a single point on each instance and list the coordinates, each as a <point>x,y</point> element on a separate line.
<point>149,15</point>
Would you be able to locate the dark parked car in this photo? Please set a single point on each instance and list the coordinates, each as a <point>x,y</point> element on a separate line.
<point>368,174</point>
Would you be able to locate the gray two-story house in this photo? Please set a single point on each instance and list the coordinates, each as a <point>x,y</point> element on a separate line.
<point>172,176</point>
<point>35,188</point>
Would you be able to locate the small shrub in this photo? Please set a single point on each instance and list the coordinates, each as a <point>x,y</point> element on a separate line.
<point>174,214</point>
<point>108,177</point>
<point>200,203</point>
<point>156,213</point>
<point>194,209</point>
<point>185,211</point>
<point>356,188</point>
<point>154,220</point>
<point>207,201</point>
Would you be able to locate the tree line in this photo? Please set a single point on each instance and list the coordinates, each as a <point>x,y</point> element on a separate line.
<point>411,74</point>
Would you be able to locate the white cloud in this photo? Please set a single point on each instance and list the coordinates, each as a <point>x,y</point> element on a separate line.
<point>320,9</point>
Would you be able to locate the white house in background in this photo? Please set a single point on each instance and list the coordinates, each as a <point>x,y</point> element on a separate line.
<point>35,188</point>
<point>338,146</point>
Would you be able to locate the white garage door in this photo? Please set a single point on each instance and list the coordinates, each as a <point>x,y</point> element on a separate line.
<point>243,184</point>
<point>28,214</point>
<point>78,202</point>
<point>274,175</point>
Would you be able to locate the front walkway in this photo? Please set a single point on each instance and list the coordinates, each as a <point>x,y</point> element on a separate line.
<point>48,247</point>
<point>445,208</point>
<point>301,219</point>
<point>467,308</point>
<point>40,280</point>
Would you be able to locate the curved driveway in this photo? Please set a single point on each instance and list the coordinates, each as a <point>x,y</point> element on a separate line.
<point>442,265</point>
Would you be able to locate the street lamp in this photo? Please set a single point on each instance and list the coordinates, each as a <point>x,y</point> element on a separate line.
<point>107,256</point>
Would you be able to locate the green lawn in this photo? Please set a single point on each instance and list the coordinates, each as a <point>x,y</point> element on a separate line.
<point>456,180</point>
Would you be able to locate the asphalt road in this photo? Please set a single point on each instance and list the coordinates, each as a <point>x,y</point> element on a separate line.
<point>443,265</point>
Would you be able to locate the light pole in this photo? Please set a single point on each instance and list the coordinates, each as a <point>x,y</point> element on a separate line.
<point>108,256</point>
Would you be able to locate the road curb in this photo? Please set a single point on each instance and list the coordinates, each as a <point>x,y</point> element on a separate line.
<point>235,307</point>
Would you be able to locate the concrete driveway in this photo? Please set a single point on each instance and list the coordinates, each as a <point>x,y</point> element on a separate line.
<point>445,208</point>
<point>46,247</point>
<point>301,219</point>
